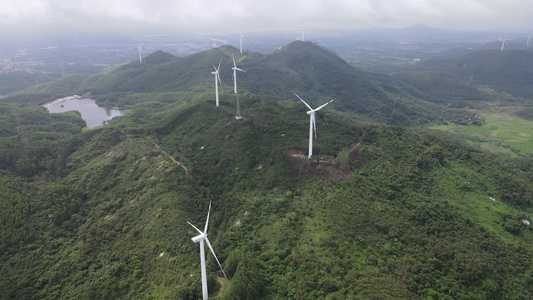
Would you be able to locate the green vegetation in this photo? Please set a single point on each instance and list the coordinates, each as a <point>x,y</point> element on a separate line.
<point>380,212</point>
<point>14,211</point>
<point>500,133</point>
<point>508,71</point>
<point>525,114</point>
<point>303,67</point>
<point>440,87</point>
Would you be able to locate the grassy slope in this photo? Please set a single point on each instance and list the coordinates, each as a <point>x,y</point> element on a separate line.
<point>501,133</point>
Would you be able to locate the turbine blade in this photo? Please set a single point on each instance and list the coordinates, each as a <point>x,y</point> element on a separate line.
<point>220,81</point>
<point>321,106</point>
<point>303,101</point>
<point>234,64</point>
<point>213,251</point>
<point>219,62</point>
<point>195,228</point>
<point>240,70</point>
<point>207,220</point>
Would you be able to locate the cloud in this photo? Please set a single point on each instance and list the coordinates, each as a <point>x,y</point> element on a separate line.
<point>249,15</point>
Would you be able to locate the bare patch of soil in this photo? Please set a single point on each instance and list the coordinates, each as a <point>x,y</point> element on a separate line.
<point>325,169</point>
<point>506,112</point>
<point>511,109</point>
<point>297,153</point>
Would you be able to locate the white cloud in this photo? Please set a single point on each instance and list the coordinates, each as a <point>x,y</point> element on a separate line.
<point>250,15</point>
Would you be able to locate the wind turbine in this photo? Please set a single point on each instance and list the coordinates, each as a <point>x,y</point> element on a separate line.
<point>217,79</point>
<point>235,69</point>
<point>528,38</point>
<point>200,239</point>
<point>312,123</point>
<point>240,39</point>
<point>140,55</point>
<point>504,42</point>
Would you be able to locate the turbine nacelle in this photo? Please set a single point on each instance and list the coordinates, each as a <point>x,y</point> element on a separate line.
<point>199,238</point>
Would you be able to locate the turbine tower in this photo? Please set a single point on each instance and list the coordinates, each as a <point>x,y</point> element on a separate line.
<point>200,239</point>
<point>240,40</point>
<point>238,112</point>
<point>140,53</point>
<point>504,42</point>
<point>217,80</point>
<point>235,69</point>
<point>312,123</point>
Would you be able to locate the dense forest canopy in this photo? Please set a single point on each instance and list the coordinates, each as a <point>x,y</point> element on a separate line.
<point>381,211</point>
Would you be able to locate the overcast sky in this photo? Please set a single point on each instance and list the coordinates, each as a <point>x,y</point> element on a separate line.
<point>25,17</point>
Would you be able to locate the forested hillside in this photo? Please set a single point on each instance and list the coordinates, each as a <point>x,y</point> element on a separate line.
<point>315,73</point>
<point>508,71</point>
<point>389,212</point>
<point>378,212</point>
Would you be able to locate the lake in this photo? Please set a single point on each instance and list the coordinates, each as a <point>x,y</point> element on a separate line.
<point>92,114</point>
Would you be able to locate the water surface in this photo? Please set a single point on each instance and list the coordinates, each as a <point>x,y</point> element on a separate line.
<point>92,114</point>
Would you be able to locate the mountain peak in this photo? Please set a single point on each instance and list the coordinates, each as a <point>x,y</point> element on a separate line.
<point>159,57</point>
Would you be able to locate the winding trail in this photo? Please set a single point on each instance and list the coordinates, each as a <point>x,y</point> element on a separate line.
<point>171,158</point>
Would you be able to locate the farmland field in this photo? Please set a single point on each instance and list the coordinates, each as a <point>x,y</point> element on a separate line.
<point>501,133</point>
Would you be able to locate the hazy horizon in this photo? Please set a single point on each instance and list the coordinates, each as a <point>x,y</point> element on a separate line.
<point>52,18</point>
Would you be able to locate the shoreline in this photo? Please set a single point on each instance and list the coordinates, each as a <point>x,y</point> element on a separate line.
<point>61,100</point>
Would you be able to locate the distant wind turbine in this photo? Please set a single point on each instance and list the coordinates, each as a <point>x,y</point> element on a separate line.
<point>200,239</point>
<point>504,42</point>
<point>217,80</point>
<point>240,40</point>
<point>235,69</point>
<point>140,53</point>
<point>312,122</point>
<point>528,38</point>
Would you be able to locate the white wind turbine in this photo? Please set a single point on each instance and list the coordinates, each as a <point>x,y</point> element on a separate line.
<point>504,42</point>
<point>235,69</point>
<point>200,239</point>
<point>140,53</point>
<point>240,40</point>
<point>528,38</point>
<point>312,123</point>
<point>217,80</point>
